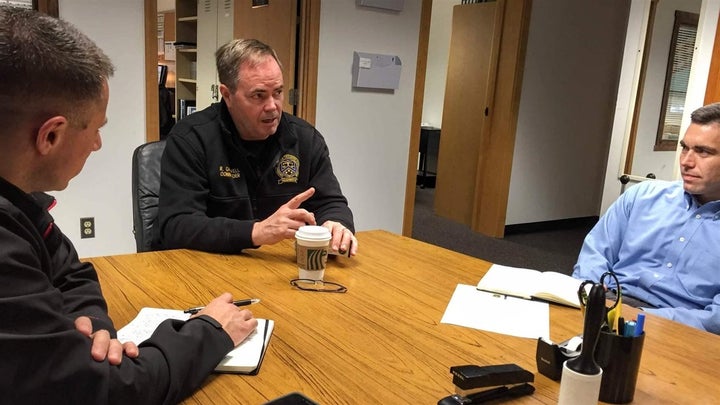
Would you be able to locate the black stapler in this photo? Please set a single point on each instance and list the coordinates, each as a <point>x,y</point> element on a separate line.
<point>478,384</point>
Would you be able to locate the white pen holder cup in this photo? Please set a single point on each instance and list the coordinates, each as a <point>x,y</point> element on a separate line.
<point>311,249</point>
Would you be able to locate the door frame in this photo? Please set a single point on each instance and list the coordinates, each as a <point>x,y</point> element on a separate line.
<point>49,7</point>
<point>489,220</point>
<point>307,66</point>
<point>418,99</point>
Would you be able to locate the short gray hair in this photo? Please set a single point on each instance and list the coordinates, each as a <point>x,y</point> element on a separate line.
<point>231,55</point>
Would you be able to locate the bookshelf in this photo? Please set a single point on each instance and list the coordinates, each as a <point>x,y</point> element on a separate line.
<point>185,52</point>
<point>201,27</point>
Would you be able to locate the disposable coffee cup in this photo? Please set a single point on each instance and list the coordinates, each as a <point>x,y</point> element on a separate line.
<point>619,357</point>
<point>311,249</point>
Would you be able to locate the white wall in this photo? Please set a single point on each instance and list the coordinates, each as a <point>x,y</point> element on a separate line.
<point>569,87</point>
<point>368,132</point>
<point>645,159</point>
<point>438,53</point>
<point>102,189</point>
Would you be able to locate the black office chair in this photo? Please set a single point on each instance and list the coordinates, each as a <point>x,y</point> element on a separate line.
<point>166,99</point>
<point>145,191</point>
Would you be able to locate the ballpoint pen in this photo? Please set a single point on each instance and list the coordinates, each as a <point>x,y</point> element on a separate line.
<point>238,303</point>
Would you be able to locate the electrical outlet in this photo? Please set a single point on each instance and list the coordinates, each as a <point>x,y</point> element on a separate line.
<point>87,227</point>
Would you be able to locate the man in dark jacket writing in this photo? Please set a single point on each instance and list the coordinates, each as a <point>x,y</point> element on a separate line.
<point>57,342</point>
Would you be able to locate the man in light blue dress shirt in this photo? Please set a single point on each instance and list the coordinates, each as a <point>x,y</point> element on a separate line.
<point>662,239</point>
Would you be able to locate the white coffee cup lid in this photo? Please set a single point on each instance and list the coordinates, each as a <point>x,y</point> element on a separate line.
<point>313,232</point>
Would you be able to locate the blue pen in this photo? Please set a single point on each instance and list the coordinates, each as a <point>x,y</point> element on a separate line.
<point>630,328</point>
<point>640,324</point>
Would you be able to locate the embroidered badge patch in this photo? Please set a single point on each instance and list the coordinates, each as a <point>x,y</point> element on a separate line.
<point>287,169</point>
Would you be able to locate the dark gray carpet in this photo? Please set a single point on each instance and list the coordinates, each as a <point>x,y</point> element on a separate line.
<point>545,250</point>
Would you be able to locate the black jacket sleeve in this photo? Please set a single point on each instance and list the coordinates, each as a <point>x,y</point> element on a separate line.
<point>44,359</point>
<point>80,287</point>
<point>172,363</point>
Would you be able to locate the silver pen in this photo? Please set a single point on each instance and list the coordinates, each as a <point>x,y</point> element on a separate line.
<point>238,303</point>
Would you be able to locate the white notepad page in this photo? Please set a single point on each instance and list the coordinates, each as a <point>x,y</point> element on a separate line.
<point>244,358</point>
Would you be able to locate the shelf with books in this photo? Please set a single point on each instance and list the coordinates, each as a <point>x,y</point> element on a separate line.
<point>186,27</point>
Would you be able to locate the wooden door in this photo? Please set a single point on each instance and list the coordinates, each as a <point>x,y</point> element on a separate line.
<point>276,25</point>
<point>712,91</point>
<point>482,99</point>
<point>470,66</point>
<point>492,184</point>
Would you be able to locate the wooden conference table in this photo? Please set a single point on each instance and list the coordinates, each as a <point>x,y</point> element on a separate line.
<point>382,341</point>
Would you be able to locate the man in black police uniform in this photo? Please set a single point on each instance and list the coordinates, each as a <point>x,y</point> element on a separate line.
<point>242,173</point>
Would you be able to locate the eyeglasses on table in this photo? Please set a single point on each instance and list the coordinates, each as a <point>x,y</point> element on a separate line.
<point>307,284</point>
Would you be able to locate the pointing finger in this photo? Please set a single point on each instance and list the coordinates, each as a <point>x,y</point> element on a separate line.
<point>295,202</point>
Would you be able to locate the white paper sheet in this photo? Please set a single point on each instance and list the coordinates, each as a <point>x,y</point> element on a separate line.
<point>498,313</point>
<point>145,323</point>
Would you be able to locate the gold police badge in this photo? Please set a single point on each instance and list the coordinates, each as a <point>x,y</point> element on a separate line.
<point>287,169</point>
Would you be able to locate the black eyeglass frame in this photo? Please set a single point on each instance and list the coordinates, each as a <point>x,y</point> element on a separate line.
<point>297,282</point>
